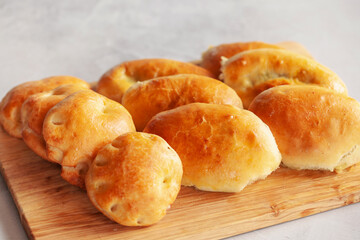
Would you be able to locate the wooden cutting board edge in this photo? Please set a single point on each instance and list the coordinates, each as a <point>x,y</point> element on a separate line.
<point>349,196</point>
<point>22,216</point>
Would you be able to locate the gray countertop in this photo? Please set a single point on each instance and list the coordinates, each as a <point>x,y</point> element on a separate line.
<point>85,38</point>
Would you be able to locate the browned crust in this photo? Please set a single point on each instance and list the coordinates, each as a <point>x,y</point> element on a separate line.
<point>247,72</point>
<point>134,179</point>
<point>314,127</point>
<point>78,126</point>
<point>211,59</point>
<point>118,79</point>
<point>12,102</point>
<point>145,99</point>
<point>33,113</point>
<point>222,148</point>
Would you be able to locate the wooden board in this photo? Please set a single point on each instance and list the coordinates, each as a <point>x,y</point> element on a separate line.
<point>50,208</point>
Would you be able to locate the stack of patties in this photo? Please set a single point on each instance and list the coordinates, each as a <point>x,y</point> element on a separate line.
<point>315,124</point>
<point>195,130</point>
<point>66,125</point>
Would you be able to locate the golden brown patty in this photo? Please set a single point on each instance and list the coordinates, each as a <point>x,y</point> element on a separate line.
<point>314,127</point>
<point>222,148</point>
<point>145,99</point>
<point>134,179</point>
<point>11,104</point>
<point>252,72</point>
<point>114,83</point>
<point>78,126</point>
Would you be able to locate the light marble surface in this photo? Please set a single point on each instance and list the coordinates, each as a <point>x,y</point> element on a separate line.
<point>85,38</point>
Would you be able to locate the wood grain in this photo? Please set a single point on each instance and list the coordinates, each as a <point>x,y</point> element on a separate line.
<point>50,208</point>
